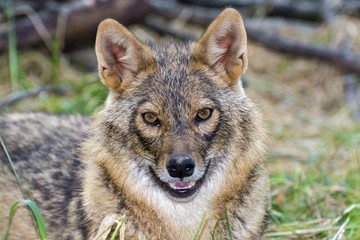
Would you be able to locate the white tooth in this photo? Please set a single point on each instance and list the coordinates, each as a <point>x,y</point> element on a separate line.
<point>191,184</point>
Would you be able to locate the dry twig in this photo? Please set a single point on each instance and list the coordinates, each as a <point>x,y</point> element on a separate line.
<point>17,96</point>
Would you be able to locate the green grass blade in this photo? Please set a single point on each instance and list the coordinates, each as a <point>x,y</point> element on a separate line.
<point>201,223</point>
<point>17,178</point>
<point>13,61</point>
<point>214,229</point>
<point>38,217</point>
<point>55,60</point>
<point>341,230</point>
<point>117,229</point>
<point>228,223</point>
<point>13,168</point>
<point>37,214</point>
<point>346,211</point>
<point>10,217</point>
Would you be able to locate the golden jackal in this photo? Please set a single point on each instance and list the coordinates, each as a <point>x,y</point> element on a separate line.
<point>177,137</point>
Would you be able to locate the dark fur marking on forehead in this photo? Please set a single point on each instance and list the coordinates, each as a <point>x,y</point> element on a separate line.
<point>170,48</point>
<point>181,123</point>
<point>173,60</point>
<point>175,105</point>
<point>206,81</point>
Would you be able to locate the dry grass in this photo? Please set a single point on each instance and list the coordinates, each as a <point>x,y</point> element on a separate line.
<point>314,154</point>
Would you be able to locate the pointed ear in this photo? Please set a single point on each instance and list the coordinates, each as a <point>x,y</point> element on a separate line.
<point>120,55</point>
<point>223,45</point>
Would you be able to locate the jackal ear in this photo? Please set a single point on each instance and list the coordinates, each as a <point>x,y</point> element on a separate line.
<point>120,55</point>
<point>223,45</point>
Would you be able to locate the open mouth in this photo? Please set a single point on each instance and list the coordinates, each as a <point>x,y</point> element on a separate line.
<point>182,185</point>
<point>181,189</point>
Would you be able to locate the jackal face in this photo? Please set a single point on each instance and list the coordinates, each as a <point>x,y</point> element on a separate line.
<point>172,105</point>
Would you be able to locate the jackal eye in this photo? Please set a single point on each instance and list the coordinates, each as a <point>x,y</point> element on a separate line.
<point>151,118</point>
<point>203,114</point>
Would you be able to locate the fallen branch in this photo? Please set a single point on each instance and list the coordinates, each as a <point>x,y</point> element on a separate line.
<point>285,8</point>
<point>82,18</point>
<point>340,57</point>
<point>17,96</point>
<point>305,10</point>
<point>343,58</point>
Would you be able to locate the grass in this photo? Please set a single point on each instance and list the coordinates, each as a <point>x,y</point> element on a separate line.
<point>35,214</point>
<point>35,210</point>
<point>228,223</point>
<point>13,62</point>
<point>14,81</point>
<point>314,155</point>
<point>307,199</point>
<point>118,226</point>
<point>314,164</point>
<point>85,93</point>
<point>200,225</point>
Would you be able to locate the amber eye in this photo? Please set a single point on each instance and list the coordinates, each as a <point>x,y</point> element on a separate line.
<point>151,118</point>
<point>204,114</point>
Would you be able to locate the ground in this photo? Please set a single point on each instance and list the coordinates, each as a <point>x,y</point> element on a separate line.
<point>314,154</point>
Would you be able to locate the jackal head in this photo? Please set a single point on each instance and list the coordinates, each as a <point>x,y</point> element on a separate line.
<point>174,108</point>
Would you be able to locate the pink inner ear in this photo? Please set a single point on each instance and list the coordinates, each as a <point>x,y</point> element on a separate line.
<point>117,51</point>
<point>225,42</point>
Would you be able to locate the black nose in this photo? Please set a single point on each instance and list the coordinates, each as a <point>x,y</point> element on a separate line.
<point>180,166</point>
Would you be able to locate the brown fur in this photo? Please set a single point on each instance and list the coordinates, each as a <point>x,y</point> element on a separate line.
<point>124,159</point>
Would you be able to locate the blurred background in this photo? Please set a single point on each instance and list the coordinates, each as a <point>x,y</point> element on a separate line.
<point>304,71</point>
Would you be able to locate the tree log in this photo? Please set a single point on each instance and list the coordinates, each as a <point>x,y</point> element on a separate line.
<point>305,10</point>
<point>81,17</point>
<point>341,57</point>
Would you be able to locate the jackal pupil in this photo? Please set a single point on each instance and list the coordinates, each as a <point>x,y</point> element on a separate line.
<point>151,118</point>
<point>203,114</point>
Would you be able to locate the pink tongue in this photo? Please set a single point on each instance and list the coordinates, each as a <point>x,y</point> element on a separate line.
<point>182,184</point>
